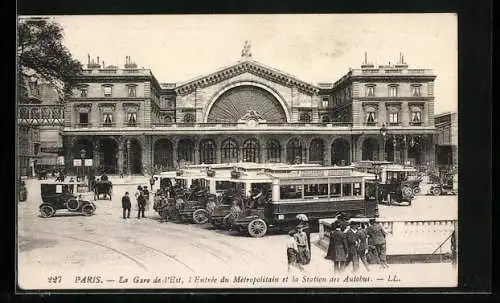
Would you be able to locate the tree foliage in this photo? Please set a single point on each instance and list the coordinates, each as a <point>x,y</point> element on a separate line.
<point>40,51</point>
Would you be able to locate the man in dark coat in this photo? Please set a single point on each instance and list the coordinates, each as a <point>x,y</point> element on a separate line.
<point>376,232</point>
<point>352,255</point>
<point>126,205</point>
<point>337,249</point>
<point>141,202</point>
<point>362,238</point>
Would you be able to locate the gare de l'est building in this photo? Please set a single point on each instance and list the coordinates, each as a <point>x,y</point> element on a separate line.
<point>127,121</point>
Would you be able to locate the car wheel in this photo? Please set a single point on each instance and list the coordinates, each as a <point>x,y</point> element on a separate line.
<point>436,191</point>
<point>257,228</point>
<point>47,211</point>
<point>416,190</point>
<point>87,210</point>
<point>200,216</point>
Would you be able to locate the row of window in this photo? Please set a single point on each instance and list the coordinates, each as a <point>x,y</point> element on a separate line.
<point>107,91</point>
<point>394,117</point>
<point>310,191</point>
<point>393,90</point>
<point>108,119</point>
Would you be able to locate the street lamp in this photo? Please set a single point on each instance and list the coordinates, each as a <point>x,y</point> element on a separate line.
<point>83,152</point>
<point>383,132</point>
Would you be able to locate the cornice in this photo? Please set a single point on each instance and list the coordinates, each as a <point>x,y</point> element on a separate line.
<point>394,99</point>
<point>250,67</point>
<point>392,78</point>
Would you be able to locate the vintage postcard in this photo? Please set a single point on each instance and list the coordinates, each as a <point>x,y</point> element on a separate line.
<point>237,151</point>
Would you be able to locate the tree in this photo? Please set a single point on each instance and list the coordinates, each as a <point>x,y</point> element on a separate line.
<point>40,51</point>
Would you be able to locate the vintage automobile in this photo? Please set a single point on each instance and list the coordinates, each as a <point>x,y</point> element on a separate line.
<point>394,184</point>
<point>444,184</point>
<point>70,196</point>
<point>321,192</point>
<point>104,188</point>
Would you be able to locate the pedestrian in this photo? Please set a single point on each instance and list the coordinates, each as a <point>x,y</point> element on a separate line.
<point>362,248</point>
<point>352,249</point>
<point>141,203</point>
<point>303,249</point>
<point>304,223</point>
<point>138,192</point>
<point>145,192</point>
<point>126,205</point>
<point>292,251</point>
<point>121,173</point>
<point>376,232</point>
<point>337,248</point>
<point>152,181</point>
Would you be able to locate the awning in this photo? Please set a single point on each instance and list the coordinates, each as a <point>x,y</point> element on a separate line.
<point>46,159</point>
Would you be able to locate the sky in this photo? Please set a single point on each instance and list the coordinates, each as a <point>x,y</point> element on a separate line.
<point>314,48</point>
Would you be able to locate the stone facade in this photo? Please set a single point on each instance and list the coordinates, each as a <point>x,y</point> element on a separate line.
<point>127,122</point>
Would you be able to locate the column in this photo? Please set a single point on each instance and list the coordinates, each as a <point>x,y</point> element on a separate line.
<point>305,155</point>
<point>129,158</point>
<point>196,155</point>
<point>383,155</point>
<point>120,158</point>
<point>263,153</point>
<point>327,159</point>
<point>405,151</point>
<point>67,154</point>
<point>97,150</point>
<point>174,155</point>
<point>431,151</point>
<point>282,152</point>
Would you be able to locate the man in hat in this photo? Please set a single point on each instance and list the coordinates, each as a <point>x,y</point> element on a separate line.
<point>337,248</point>
<point>376,232</point>
<point>145,192</point>
<point>362,238</point>
<point>141,203</point>
<point>352,243</point>
<point>126,205</point>
<point>304,224</point>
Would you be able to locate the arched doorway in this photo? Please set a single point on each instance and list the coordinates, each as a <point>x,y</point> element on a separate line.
<point>316,151</point>
<point>340,152</point>
<point>229,151</point>
<point>370,149</point>
<point>273,151</point>
<point>251,151</point>
<point>185,151</point>
<point>415,146</point>
<point>294,151</point>
<point>82,147</point>
<point>389,149</point>
<point>163,154</point>
<point>134,158</point>
<point>207,152</point>
<point>108,151</point>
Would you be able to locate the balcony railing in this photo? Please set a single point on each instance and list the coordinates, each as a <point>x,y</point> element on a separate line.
<point>260,125</point>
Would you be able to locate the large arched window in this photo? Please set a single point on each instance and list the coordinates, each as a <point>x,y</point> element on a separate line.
<point>251,151</point>
<point>294,151</point>
<point>316,151</point>
<point>229,151</point>
<point>207,152</point>
<point>273,151</point>
<point>185,150</point>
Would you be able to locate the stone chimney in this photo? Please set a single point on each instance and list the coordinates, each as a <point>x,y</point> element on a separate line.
<point>366,64</point>
<point>129,63</point>
<point>92,64</point>
<point>401,64</point>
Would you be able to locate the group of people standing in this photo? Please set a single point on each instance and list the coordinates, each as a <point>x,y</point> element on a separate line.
<point>142,198</point>
<point>352,242</point>
<point>299,244</point>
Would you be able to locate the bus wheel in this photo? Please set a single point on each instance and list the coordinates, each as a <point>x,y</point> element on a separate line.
<point>257,228</point>
<point>200,216</point>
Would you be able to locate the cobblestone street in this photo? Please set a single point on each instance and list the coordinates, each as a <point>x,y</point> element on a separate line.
<point>106,245</point>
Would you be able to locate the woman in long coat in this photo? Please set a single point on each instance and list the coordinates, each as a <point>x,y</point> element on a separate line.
<point>337,249</point>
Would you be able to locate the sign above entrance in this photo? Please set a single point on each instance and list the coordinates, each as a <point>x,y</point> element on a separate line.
<point>88,162</point>
<point>77,162</point>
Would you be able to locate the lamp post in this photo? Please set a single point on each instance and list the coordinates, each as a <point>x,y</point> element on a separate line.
<point>383,132</point>
<point>83,152</point>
